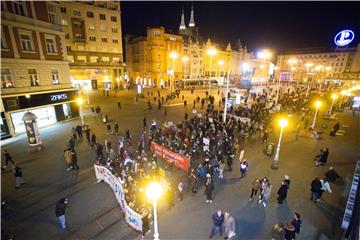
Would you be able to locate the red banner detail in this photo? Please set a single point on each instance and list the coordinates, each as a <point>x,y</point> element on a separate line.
<point>179,160</point>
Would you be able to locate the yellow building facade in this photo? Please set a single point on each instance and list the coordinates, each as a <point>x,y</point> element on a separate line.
<point>156,59</point>
<point>93,39</point>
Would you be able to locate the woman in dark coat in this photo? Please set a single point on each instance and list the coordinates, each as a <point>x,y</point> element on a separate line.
<point>282,192</point>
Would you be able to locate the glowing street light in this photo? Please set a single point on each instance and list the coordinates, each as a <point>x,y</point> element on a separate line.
<point>212,51</point>
<point>185,59</point>
<point>153,192</point>
<point>317,105</point>
<point>282,123</point>
<point>334,96</point>
<point>173,55</point>
<point>80,102</point>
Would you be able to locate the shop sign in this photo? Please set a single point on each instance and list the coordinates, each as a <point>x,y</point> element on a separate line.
<point>58,97</point>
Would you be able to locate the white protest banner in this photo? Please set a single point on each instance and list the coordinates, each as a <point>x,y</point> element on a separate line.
<point>131,217</point>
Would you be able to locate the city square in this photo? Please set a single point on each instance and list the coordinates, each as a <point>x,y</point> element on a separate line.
<point>175,134</point>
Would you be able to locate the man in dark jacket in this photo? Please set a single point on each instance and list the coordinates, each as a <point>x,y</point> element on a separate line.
<point>296,222</point>
<point>315,189</point>
<point>93,140</point>
<point>74,159</point>
<point>8,159</point>
<point>79,131</point>
<point>282,192</point>
<point>60,212</point>
<point>331,175</point>
<point>218,221</point>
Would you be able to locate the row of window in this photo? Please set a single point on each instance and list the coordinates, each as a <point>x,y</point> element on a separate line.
<point>8,82</point>
<point>93,59</point>
<point>103,28</point>
<point>89,14</point>
<point>27,42</point>
<point>92,38</point>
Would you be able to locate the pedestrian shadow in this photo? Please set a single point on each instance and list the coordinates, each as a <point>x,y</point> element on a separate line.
<point>334,214</point>
<point>252,221</point>
<point>283,212</point>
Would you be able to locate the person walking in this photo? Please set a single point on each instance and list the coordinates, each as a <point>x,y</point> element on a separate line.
<point>221,169</point>
<point>68,158</point>
<point>218,222</point>
<point>266,191</point>
<point>289,231</point>
<point>79,131</point>
<point>325,186</point>
<point>116,128</point>
<point>315,189</point>
<point>60,208</point>
<point>287,180</point>
<point>93,140</point>
<point>87,133</point>
<point>119,105</point>
<point>229,225</point>
<point>243,168</point>
<point>282,192</point>
<point>74,159</point>
<point>18,176</point>
<point>255,187</point>
<point>296,222</point>
<point>8,159</point>
<point>209,188</point>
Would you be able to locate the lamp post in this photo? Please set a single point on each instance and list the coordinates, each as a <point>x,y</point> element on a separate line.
<point>226,97</point>
<point>80,102</point>
<point>317,105</point>
<point>275,164</point>
<point>153,192</point>
<point>334,96</point>
<point>185,59</point>
<point>173,56</point>
<point>211,52</point>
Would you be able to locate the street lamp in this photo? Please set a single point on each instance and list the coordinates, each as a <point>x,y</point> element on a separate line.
<point>80,102</point>
<point>153,192</point>
<point>185,59</point>
<point>173,56</point>
<point>317,105</point>
<point>275,164</point>
<point>334,96</point>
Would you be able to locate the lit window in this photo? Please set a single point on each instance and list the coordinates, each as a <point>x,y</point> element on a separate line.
<point>94,59</point>
<point>55,76</point>
<point>33,77</point>
<point>81,59</point>
<point>53,16</point>
<point>50,44</point>
<point>6,78</point>
<point>26,42</point>
<point>114,30</point>
<point>79,38</point>
<point>64,22</point>
<point>19,8</point>
<point>3,40</point>
<point>91,27</point>
<point>76,12</point>
<point>90,14</point>
<point>113,19</point>
<point>102,28</point>
<point>102,16</point>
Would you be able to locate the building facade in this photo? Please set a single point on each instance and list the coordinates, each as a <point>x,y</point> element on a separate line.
<point>93,39</point>
<point>34,68</point>
<point>156,59</point>
<point>339,65</point>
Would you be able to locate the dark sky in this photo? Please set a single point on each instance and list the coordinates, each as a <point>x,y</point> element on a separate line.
<point>276,25</point>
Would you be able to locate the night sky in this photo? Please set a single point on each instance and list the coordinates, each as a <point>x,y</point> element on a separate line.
<point>279,26</point>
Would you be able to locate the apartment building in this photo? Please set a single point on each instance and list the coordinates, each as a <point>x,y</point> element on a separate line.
<point>34,67</point>
<point>93,39</point>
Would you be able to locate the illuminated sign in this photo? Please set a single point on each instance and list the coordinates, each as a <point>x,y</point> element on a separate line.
<point>344,38</point>
<point>58,97</point>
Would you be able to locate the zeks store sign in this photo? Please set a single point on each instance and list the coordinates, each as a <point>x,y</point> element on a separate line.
<point>179,160</point>
<point>131,217</point>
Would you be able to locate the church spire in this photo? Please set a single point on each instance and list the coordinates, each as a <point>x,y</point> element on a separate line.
<point>192,22</point>
<point>182,24</point>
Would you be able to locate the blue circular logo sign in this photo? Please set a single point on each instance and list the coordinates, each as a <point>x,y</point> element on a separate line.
<point>344,38</point>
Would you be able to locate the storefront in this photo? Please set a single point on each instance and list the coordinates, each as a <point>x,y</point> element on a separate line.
<point>49,107</point>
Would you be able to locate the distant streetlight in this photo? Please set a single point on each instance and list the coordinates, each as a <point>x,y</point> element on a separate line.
<point>173,56</point>
<point>317,105</point>
<point>334,96</point>
<point>153,192</point>
<point>80,102</point>
<point>185,59</point>
<point>275,164</point>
